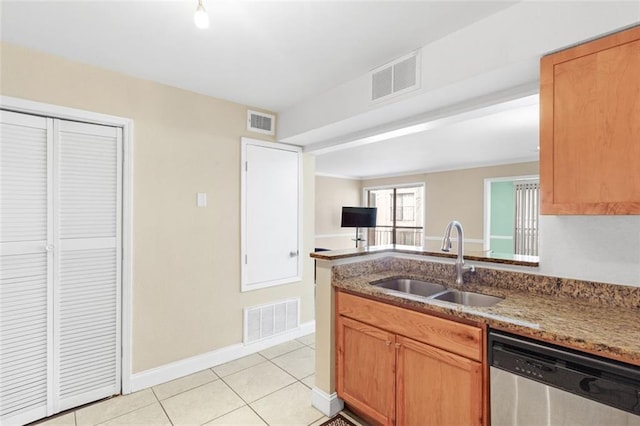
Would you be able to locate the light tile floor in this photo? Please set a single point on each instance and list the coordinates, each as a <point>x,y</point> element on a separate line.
<point>272,387</point>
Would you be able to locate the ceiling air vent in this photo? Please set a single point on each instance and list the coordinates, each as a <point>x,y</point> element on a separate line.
<point>395,78</point>
<point>261,122</point>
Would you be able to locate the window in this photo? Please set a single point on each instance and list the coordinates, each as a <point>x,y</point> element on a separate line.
<point>400,215</point>
<point>405,207</point>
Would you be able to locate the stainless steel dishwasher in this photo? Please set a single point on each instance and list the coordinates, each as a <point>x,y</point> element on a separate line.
<point>534,383</point>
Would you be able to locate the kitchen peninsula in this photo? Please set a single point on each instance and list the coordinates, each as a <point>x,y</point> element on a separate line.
<point>596,318</point>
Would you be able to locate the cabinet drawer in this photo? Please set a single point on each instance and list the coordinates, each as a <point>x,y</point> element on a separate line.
<point>461,339</point>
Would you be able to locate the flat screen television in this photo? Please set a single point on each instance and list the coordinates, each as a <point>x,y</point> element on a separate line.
<point>359,217</point>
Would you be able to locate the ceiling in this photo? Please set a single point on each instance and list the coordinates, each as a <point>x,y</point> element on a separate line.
<point>499,134</point>
<point>274,55</point>
<point>265,54</point>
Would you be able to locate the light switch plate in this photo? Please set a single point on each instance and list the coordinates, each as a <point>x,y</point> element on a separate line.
<point>201,198</point>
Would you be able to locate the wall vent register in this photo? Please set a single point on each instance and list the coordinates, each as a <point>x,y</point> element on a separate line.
<point>261,122</point>
<point>261,322</point>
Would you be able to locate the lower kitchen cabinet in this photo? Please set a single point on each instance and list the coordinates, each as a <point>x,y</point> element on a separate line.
<point>436,387</point>
<point>388,374</point>
<point>366,369</point>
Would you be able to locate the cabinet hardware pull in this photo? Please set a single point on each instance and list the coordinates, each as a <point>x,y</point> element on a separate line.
<point>398,345</point>
<point>388,343</point>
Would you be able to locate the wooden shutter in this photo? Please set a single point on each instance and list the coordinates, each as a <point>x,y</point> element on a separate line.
<point>25,267</point>
<point>87,314</point>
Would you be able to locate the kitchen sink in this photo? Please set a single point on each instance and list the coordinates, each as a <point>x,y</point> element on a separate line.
<point>468,298</point>
<point>407,286</point>
<point>415,289</point>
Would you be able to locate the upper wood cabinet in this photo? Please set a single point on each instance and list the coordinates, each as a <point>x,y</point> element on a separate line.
<point>590,127</point>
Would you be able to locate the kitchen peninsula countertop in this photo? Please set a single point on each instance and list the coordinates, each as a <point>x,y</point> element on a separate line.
<point>579,323</point>
<point>508,259</point>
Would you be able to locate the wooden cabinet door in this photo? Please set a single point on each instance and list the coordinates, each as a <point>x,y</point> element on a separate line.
<point>590,127</point>
<point>435,387</point>
<point>366,369</point>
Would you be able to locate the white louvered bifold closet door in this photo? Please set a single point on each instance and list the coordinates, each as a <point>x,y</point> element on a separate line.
<point>87,290</point>
<point>25,267</point>
<point>60,265</point>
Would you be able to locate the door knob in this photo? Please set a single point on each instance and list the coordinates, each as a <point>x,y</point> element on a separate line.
<point>293,253</point>
<point>49,247</point>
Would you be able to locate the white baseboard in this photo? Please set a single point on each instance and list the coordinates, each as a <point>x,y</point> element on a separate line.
<point>155,376</point>
<point>329,405</point>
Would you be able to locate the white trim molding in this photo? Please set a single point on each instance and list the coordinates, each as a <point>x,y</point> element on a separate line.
<point>175,370</point>
<point>466,240</point>
<point>319,236</point>
<point>330,175</point>
<point>329,405</point>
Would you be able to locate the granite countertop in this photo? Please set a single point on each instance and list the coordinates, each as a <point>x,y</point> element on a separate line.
<point>519,260</point>
<point>609,331</point>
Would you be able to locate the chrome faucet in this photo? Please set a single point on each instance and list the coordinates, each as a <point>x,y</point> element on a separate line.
<point>446,246</point>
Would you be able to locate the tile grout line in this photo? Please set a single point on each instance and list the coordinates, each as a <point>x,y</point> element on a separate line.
<point>124,414</point>
<point>162,406</point>
<point>317,420</point>
<point>258,414</point>
<point>283,353</point>
<point>290,384</point>
<point>186,390</point>
<point>248,404</point>
<point>306,344</point>
<point>246,368</point>
<point>282,368</point>
<point>165,413</point>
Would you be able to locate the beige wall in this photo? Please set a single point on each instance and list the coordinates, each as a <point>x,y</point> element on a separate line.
<point>186,260</point>
<point>456,194</point>
<point>331,194</point>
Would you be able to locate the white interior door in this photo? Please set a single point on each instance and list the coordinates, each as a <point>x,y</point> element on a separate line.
<point>87,289</point>
<point>271,215</point>
<point>60,265</point>
<point>25,267</point>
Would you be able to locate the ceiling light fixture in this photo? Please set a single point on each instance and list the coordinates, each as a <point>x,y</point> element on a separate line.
<point>201,17</point>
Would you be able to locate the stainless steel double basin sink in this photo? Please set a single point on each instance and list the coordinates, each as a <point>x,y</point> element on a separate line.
<point>414,289</point>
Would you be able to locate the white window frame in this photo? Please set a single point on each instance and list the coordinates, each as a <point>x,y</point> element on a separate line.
<point>126,124</point>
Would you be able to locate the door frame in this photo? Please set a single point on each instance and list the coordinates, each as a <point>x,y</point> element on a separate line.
<point>486,245</point>
<point>126,124</point>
